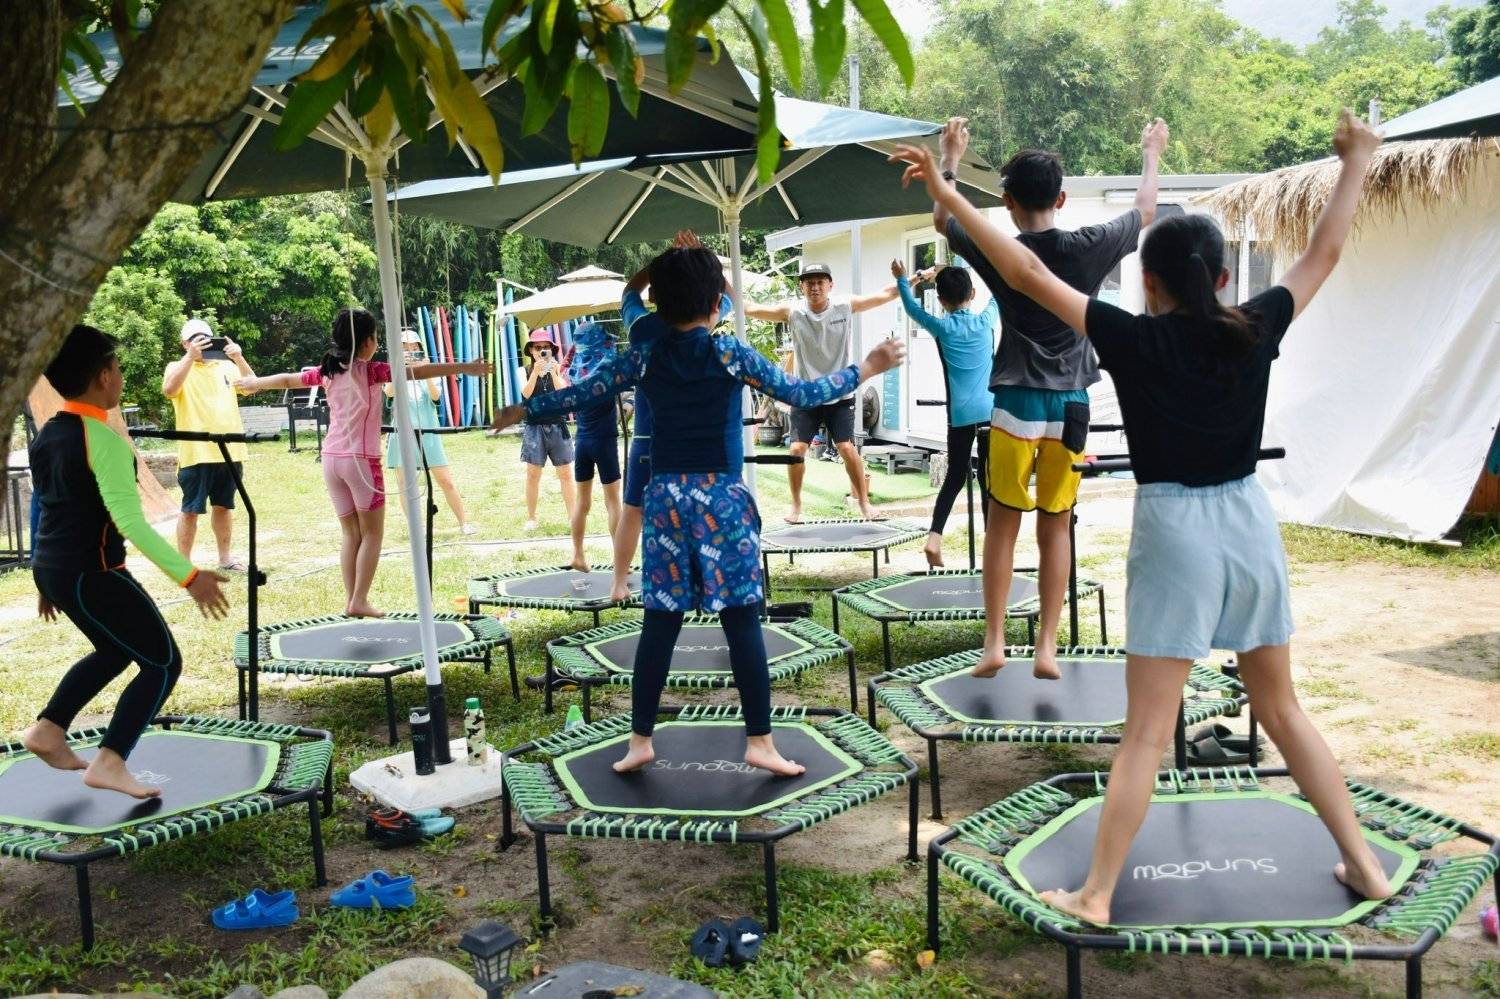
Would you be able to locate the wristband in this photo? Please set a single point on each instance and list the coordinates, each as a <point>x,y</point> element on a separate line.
<point>950,176</point>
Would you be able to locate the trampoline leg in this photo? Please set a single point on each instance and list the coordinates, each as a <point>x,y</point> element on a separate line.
<point>836,618</point>
<point>1103,628</point>
<point>487,661</point>
<point>1254,739</point>
<point>315,831</point>
<point>596,619</point>
<point>1414,978</point>
<point>515,681</point>
<point>507,834</point>
<point>390,711</point>
<point>1075,973</point>
<point>473,606</point>
<point>1031,631</point>
<point>875,563</point>
<point>1179,741</point>
<point>913,816</point>
<point>934,934</point>
<point>241,678</point>
<point>854,685</point>
<point>773,902</point>
<point>870,702</point>
<point>549,676</point>
<point>588,704</point>
<point>932,775</point>
<point>327,793</point>
<point>1073,576</point>
<point>885,643</point>
<point>85,906</point>
<point>765,574</point>
<point>544,890</point>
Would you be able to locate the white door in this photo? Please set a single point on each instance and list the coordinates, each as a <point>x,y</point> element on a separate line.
<point>923,381</point>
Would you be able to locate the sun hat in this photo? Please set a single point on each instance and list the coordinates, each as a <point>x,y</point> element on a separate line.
<point>540,338</point>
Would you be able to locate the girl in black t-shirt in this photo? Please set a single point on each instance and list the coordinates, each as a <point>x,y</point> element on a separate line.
<point>1206,566</point>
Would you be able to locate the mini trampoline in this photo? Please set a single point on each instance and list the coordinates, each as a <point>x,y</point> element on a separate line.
<point>211,771</point>
<point>842,535</point>
<point>938,700</point>
<point>698,790</point>
<point>379,648</point>
<point>946,595</point>
<point>700,659</point>
<point>1227,862</point>
<point>551,588</point>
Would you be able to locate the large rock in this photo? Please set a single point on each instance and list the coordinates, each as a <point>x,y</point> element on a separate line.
<point>301,992</point>
<point>416,976</point>
<point>246,992</point>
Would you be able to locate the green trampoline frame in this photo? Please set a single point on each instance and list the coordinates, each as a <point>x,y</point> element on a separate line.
<point>904,693</point>
<point>906,530</point>
<point>531,783</point>
<point>484,591</point>
<point>486,634</point>
<point>862,597</point>
<point>575,659</point>
<point>976,848</point>
<point>303,772</point>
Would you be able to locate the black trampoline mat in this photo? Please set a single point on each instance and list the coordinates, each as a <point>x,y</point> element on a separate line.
<point>926,593</point>
<point>1091,692</point>
<point>366,640</point>
<point>700,648</point>
<point>192,771</point>
<point>558,585</point>
<point>1211,860</point>
<point>853,533</point>
<point>700,770</point>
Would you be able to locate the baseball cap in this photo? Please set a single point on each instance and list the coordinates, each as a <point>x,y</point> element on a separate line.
<point>410,336</point>
<point>815,270</point>
<point>194,327</point>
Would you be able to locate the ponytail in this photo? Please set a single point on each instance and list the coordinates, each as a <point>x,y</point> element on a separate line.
<point>350,330</point>
<point>1186,254</point>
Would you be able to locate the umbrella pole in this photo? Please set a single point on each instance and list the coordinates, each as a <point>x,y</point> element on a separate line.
<point>737,280</point>
<point>437,704</point>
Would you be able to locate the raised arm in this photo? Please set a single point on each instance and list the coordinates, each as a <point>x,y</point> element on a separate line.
<point>864,303</point>
<point>772,312</point>
<point>1354,142</point>
<point>614,374</point>
<point>1153,143</point>
<point>177,371</point>
<point>261,383</point>
<point>952,144</point>
<point>1020,268</point>
<point>923,318</point>
<point>426,369</point>
<point>746,363</point>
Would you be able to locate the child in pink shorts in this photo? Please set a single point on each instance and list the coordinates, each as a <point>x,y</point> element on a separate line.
<point>351,451</point>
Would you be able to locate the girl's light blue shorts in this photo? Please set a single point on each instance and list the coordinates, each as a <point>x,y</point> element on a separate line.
<point>1206,571</point>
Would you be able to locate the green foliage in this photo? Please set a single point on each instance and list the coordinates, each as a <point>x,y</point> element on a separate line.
<point>141,307</point>
<point>1474,37</point>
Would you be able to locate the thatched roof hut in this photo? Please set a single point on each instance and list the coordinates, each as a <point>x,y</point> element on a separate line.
<point>1404,177</point>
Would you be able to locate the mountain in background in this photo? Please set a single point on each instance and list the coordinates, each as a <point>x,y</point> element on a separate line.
<point>1299,21</point>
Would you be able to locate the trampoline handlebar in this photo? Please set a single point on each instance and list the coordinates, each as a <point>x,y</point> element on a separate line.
<point>932,402</point>
<point>1106,428</point>
<point>1100,466</point>
<point>774,459</point>
<point>753,421</point>
<point>386,428</point>
<point>203,435</point>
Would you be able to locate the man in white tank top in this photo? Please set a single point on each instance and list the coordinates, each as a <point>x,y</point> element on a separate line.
<point>822,342</point>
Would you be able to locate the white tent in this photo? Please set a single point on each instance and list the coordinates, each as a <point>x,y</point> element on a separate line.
<point>1387,393</point>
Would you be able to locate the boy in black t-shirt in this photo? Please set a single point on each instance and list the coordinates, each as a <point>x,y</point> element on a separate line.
<point>1206,566</point>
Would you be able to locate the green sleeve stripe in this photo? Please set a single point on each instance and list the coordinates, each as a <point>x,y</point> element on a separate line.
<point>113,464</point>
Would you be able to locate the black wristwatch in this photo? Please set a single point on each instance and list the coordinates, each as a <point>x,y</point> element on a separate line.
<point>950,176</point>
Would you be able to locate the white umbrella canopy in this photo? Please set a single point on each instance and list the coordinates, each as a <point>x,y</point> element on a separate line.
<point>584,292</point>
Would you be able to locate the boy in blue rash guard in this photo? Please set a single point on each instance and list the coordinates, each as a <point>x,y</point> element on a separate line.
<point>965,340</point>
<point>596,446</point>
<point>643,326</point>
<point>702,546</point>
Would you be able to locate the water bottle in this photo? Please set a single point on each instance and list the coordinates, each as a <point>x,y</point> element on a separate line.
<point>574,718</point>
<point>421,741</point>
<point>474,732</point>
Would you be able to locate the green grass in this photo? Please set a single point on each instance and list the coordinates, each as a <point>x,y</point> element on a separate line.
<point>1479,549</point>
<point>1480,745</point>
<point>1484,979</point>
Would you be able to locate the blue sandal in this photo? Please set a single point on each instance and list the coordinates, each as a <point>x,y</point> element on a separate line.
<point>376,890</point>
<point>258,910</point>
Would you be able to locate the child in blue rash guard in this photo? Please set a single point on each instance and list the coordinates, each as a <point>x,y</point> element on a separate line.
<point>596,445</point>
<point>965,340</point>
<point>702,544</point>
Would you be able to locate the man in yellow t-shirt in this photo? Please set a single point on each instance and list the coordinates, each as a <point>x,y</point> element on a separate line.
<point>203,398</point>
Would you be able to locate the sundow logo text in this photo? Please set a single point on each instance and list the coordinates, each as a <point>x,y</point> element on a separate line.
<point>709,767</point>
<point>364,640</point>
<point>700,648</point>
<point>1193,869</point>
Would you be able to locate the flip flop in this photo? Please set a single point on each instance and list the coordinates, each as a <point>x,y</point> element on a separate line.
<point>235,566</point>
<point>1218,746</point>
<point>258,910</point>
<point>435,825</point>
<point>711,943</point>
<point>376,890</point>
<point>390,828</point>
<point>745,938</point>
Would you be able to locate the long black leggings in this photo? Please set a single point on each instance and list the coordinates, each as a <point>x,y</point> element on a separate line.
<point>122,622</point>
<point>747,659</point>
<point>960,443</point>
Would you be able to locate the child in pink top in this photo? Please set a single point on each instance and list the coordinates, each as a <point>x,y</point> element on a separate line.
<point>351,452</point>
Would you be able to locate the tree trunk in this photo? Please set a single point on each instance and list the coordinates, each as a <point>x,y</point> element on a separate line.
<point>103,183</point>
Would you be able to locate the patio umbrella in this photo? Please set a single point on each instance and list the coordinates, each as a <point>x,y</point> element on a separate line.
<point>1474,112</point>
<point>833,169</point>
<point>581,293</point>
<point>713,109</point>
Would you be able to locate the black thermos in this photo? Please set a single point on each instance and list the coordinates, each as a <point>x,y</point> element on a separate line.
<point>421,740</point>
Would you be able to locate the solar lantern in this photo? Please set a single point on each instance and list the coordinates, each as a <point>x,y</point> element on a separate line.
<point>491,945</point>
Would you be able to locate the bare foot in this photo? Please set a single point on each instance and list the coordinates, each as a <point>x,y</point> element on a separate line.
<point>639,754</point>
<point>1363,877</point>
<point>1074,904</point>
<point>1044,663</point>
<point>580,564</point>
<point>619,590</point>
<point>108,773</point>
<point>870,513</point>
<point>49,743</point>
<point>361,609</point>
<point>990,663</point>
<point>761,752</point>
<point>933,549</point>
<point>794,515</point>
